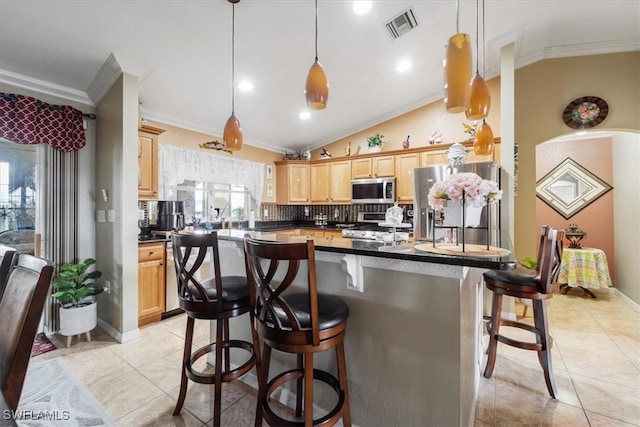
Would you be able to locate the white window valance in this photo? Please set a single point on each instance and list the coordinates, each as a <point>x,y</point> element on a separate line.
<point>177,164</point>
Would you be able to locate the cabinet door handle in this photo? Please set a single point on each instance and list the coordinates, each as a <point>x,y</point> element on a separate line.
<point>150,253</point>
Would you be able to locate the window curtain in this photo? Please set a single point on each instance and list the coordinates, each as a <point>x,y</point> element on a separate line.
<point>177,164</point>
<point>58,207</point>
<point>27,120</point>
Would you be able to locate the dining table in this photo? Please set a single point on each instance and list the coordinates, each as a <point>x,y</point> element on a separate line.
<point>584,268</point>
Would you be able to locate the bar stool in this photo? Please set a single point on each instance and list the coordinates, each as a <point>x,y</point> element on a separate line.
<point>536,285</point>
<point>301,323</point>
<point>218,298</point>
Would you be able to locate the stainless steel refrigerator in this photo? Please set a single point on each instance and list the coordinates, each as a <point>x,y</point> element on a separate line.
<point>424,215</point>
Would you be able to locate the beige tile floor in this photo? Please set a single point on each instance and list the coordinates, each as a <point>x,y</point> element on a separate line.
<point>596,359</point>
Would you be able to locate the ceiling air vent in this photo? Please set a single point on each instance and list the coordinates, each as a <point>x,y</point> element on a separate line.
<point>402,23</point>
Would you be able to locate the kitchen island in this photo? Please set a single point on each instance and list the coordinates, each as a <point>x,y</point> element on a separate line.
<point>413,343</point>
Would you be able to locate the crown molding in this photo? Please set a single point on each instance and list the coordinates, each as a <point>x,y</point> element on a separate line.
<point>197,127</point>
<point>42,86</point>
<point>109,73</point>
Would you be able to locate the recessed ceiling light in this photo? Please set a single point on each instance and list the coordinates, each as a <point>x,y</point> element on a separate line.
<point>403,66</point>
<point>245,86</point>
<point>305,115</point>
<point>361,7</point>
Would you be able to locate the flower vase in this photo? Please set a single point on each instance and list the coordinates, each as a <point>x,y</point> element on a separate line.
<point>453,215</point>
<point>375,148</point>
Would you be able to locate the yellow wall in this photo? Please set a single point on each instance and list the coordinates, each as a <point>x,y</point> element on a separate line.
<point>420,124</point>
<point>190,139</point>
<point>542,91</point>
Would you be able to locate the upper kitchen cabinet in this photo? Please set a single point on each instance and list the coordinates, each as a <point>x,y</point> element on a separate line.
<point>292,182</point>
<point>405,164</point>
<point>330,182</point>
<point>439,156</point>
<point>148,162</point>
<point>373,167</point>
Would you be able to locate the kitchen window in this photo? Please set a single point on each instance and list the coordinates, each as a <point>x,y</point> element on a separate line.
<point>210,201</point>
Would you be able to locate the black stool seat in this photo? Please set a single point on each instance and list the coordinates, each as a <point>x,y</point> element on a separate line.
<point>536,285</point>
<point>234,288</point>
<point>302,323</point>
<point>331,311</point>
<point>217,298</point>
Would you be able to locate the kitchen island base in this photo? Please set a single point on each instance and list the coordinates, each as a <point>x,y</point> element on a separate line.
<point>413,339</point>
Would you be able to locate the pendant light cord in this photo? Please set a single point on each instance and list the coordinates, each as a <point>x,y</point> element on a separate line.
<point>484,53</point>
<point>457,16</point>
<point>316,30</point>
<point>477,49</point>
<point>233,58</point>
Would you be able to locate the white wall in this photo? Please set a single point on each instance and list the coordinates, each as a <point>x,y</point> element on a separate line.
<point>626,203</point>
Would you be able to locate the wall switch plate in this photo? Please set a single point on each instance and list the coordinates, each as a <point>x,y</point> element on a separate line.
<point>107,287</point>
<point>100,215</point>
<point>111,215</point>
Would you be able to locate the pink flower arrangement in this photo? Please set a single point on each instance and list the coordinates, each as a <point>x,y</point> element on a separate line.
<point>477,191</point>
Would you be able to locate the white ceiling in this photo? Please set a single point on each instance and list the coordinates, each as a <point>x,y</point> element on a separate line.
<point>182,52</point>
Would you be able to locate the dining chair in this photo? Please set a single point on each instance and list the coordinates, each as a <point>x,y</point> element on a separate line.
<point>536,285</point>
<point>7,259</point>
<point>20,312</point>
<point>295,320</point>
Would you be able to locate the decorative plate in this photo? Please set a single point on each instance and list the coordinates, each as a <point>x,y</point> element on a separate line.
<point>585,112</point>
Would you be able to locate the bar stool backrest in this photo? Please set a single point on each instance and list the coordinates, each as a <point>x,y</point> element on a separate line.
<point>263,260</point>
<point>551,258</point>
<point>189,252</point>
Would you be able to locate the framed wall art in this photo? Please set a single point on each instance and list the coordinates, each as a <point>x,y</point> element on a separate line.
<point>569,187</point>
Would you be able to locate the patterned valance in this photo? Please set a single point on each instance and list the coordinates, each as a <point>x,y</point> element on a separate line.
<point>27,120</point>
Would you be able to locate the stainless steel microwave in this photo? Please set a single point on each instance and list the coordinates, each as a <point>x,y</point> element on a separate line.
<point>375,190</point>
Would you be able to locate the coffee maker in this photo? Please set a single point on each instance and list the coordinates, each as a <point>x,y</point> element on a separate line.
<point>170,215</point>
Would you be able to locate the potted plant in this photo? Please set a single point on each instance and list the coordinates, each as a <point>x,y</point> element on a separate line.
<point>375,142</point>
<point>238,213</point>
<point>76,289</point>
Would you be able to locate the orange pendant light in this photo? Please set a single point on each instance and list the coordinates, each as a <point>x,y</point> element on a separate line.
<point>483,140</point>
<point>316,90</point>
<point>232,135</point>
<point>480,101</point>
<point>458,73</point>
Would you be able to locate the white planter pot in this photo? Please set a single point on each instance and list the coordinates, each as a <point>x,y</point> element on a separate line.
<point>77,320</point>
<point>375,149</point>
<point>453,215</point>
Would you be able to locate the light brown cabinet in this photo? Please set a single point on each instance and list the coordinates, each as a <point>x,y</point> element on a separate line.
<point>405,164</point>
<point>330,182</point>
<point>292,182</point>
<point>148,162</point>
<point>151,282</point>
<point>373,167</point>
<point>327,181</point>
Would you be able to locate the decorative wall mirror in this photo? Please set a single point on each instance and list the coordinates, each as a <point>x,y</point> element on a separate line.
<point>569,188</point>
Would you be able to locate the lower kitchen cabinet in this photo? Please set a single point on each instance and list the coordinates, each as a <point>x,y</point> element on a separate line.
<point>151,285</point>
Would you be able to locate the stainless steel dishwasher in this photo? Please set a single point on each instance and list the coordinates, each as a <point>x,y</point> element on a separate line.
<point>171,291</point>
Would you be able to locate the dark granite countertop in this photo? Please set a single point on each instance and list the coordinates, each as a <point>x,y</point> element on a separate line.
<point>373,248</point>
